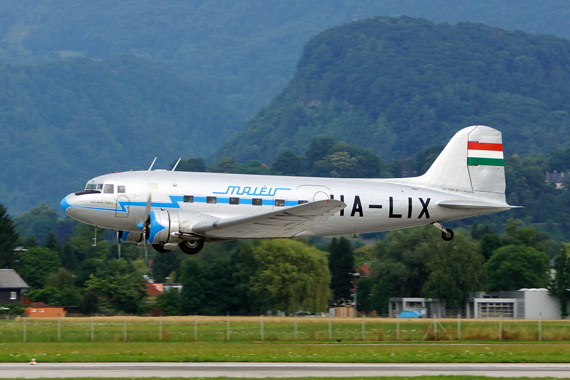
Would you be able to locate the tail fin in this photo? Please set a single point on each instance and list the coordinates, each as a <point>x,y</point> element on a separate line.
<point>471,162</point>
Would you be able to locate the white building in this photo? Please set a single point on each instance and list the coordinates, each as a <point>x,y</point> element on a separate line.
<point>519,304</point>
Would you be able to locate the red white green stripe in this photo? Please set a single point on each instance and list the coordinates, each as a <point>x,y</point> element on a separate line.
<point>490,154</point>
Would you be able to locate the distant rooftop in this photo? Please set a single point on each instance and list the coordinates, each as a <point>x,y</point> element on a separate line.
<point>558,178</point>
<point>10,279</point>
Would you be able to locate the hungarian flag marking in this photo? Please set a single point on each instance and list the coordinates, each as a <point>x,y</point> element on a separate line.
<point>490,154</point>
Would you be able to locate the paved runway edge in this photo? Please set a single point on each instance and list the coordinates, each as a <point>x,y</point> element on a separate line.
<point>258,370</point>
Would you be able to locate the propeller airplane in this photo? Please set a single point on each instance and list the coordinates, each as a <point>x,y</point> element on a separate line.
<point>171,209</point>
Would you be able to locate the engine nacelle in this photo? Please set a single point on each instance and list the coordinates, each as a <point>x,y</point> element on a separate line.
<point>131,237</point>
<point>162,224</point>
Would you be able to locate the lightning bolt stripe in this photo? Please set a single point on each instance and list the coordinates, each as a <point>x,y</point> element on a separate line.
<point>175,203</point>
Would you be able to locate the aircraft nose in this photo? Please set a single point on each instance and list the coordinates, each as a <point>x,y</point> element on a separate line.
<point>67,204</point>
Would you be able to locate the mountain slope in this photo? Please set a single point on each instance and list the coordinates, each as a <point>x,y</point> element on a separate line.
<point>243,52</point>
<point>64,122</point>
<point>395,86</point>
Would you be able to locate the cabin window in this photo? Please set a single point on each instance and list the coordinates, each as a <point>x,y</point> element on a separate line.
<point>302,202</point>
<point>212,200</point>
<point>280,202</point>
<point>189,199</point>
<point>13,295</point>
<point>109,189</point>
<point>121,189</point>
<point>234,201</point>
<point>256,201</point>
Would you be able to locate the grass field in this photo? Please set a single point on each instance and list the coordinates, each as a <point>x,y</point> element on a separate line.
<point>203,339</point>
<point>277,329</point>
<point>284,352</point>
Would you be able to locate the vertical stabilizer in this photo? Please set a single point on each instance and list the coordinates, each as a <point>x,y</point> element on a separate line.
<point>472,161</point>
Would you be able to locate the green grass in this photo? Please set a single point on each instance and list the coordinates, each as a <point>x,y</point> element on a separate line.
<point>249,329</point>
<point>386,340</point>
<point>284,352</point>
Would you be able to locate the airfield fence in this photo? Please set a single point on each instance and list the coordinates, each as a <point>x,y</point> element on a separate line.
<point>282,329</point>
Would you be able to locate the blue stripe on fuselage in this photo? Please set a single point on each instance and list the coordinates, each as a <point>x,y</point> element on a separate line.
<point>175,203</point>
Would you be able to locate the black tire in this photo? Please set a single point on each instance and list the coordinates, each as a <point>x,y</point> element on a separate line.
<point>191,247</point>
<point>447,236</point>
<point>160,248</point>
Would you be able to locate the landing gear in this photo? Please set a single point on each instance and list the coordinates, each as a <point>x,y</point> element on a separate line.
<point>191,247</point>
<point>446,233</point>
<point>447,236</point>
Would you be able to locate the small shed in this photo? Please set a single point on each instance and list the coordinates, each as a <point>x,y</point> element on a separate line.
<point>12,287</point>
<point>45,312</point>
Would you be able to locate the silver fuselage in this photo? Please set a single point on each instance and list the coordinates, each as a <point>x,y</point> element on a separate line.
<point>118,200</point>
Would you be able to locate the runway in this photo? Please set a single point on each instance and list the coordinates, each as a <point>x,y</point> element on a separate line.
<point>261,370</point>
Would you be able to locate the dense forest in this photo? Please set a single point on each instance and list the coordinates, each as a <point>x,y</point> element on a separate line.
<point>395,86</point>
<point>240,52</point>
<point>64,122</point>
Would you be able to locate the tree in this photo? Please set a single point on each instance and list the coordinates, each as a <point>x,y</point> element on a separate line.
<point>560,283</point>
<point>39,221</point>
<point>341,266</point>
<point>64,281</point>
<point>169,302</point>
<point>8,240</point>
<point>52,243</point>
<point>163,264</point>
<point>196,164</point>
<point>68,257</point>
<point>456,268</point>
<point>49,295</point>
<point>191,276</point>
<point>516,266</point>
<point>364,295</point>
<point>89,302</point>
<point>117,287</point>
<point>37,264</point>
<point>290,276</point>
<point>288,163</point>
<point>400,263</point>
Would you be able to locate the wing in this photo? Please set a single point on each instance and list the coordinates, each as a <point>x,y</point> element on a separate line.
<point>277,224</point>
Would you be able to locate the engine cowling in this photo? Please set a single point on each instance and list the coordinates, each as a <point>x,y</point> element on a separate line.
<point>162,224</point>
<point>132,237</point>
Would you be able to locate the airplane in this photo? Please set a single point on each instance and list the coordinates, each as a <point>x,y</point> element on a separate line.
<point>170,209</point>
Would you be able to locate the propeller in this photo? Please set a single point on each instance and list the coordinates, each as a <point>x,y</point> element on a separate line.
<point>144,225</point>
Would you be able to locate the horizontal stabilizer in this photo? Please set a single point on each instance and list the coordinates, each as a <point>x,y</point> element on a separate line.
<point>470,204</point>
<point>283,223</point>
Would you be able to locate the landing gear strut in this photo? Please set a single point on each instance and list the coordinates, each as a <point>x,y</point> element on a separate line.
<point>446,233</point>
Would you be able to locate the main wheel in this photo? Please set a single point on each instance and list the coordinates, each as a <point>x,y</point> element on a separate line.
<point>447,236</point>
<point>191,247</point>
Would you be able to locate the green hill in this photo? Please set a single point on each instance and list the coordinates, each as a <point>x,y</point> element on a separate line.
<point>395,86</point>
<point>241,52</point>
<point>64,122</point>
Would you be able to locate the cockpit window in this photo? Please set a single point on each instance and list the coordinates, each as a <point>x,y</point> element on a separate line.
<point>108,188</point>
<point>91,186</point>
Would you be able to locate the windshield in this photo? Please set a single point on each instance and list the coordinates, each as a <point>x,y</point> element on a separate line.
<point>93,186</point>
